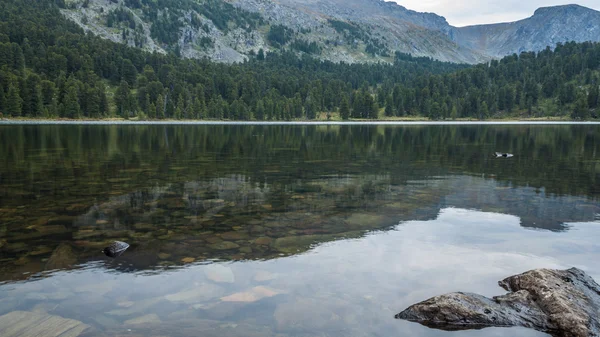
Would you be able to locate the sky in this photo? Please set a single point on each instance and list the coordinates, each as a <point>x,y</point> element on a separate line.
<point>471,12</point>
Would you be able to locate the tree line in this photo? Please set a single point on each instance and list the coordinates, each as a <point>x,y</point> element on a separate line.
<point>49,67</point>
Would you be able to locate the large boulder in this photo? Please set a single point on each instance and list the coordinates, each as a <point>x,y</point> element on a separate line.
<point>563,303</point>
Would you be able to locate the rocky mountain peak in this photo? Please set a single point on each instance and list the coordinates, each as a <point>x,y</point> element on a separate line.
<point>336,30</point>
<point>561,10</point>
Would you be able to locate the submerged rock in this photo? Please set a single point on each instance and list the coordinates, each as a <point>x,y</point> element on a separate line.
<point>24,323</point>
<point>62,257</point>
<point>219,273</point>
<point>188,260</point>
<point>197,294</point>
<point>116,249</point>
<point>146,319</point>
<point>559,302</point>
<point>251,295</point>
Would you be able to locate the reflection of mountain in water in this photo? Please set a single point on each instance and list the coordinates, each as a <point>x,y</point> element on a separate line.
<point>534,207</point>
<point>238,193</point>
<point>233,218</point>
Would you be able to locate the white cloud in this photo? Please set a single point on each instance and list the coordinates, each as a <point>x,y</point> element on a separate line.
<point>470,12</point>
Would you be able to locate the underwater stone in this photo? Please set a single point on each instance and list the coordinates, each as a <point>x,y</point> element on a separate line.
<point>116,249</point>
<point>62,257</point>
<point>234,236</point>
<point>265,241</point>
<point>24,323</point>
<point>150,318</point>
<point>225,245</point>
<point>197,294</point>
<point>219,274</point>
<point>251,295</point>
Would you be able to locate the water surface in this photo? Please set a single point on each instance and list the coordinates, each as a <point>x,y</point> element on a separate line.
<point>282,230</point>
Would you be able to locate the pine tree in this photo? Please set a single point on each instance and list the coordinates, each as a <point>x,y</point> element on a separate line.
<point>180,108</point>
<point>593,96</point>
<point>152,111</point>
<point>52,109</point>
<point>426,107</point>
<point>160,107</point>
<point>310,108</point>
<point>170,104</point>
<point>123,100</point>
<point>484,111</point>
<point>2,99</point>
<point>397,96</point>
<point>61,87</point>
<point>297,106</point>
<point>389,106</point>
<point>328,99</point>
<point>444,111</point>
<point>93,103</point>
<point>102,100</point>
<point>71,107</point>
<point>345,108</point>
<point>199,109</point>
<point>37,102</point>
<point>223,108</point>
<point>454,112</point>
<point>18,57</point>
<point>357,105</point>
<point>260,110</point>
<point>48,92</point>
<point>581,109</point>
<point>14,102</point>
<point>372,110</point>
<point>435,112</point>
<point>146,105</point>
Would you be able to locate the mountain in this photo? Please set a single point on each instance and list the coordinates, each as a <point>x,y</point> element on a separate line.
<point>335,30</point>
<point>351,28</point>
<point>547,27</point>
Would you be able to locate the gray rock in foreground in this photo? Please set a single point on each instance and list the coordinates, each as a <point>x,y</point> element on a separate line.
<point>563,303</point>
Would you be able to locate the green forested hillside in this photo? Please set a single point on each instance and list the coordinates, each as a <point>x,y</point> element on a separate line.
<point>563,82</point>
<point>50,68</point>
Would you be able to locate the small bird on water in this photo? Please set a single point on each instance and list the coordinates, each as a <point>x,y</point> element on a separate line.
<point>115,249</point>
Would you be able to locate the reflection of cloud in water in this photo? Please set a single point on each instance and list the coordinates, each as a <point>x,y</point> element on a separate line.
<point>423,258</point>
<point>359,283</point>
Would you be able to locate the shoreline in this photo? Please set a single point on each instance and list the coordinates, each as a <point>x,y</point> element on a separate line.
<point>35,121</point>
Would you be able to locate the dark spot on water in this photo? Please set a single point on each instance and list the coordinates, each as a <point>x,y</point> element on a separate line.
<point>487,311</point>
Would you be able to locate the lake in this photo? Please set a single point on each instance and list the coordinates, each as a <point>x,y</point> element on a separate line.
<point>285,230</point>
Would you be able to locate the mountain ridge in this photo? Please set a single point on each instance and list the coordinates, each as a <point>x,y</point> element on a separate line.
<point>335,30</point>
<point>547,27</point>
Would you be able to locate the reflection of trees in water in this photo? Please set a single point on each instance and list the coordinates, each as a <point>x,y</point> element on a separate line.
<point>255,192</point>
<point>545,155</point>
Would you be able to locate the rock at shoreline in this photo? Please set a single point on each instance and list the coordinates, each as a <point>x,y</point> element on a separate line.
<point>559,302</point>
